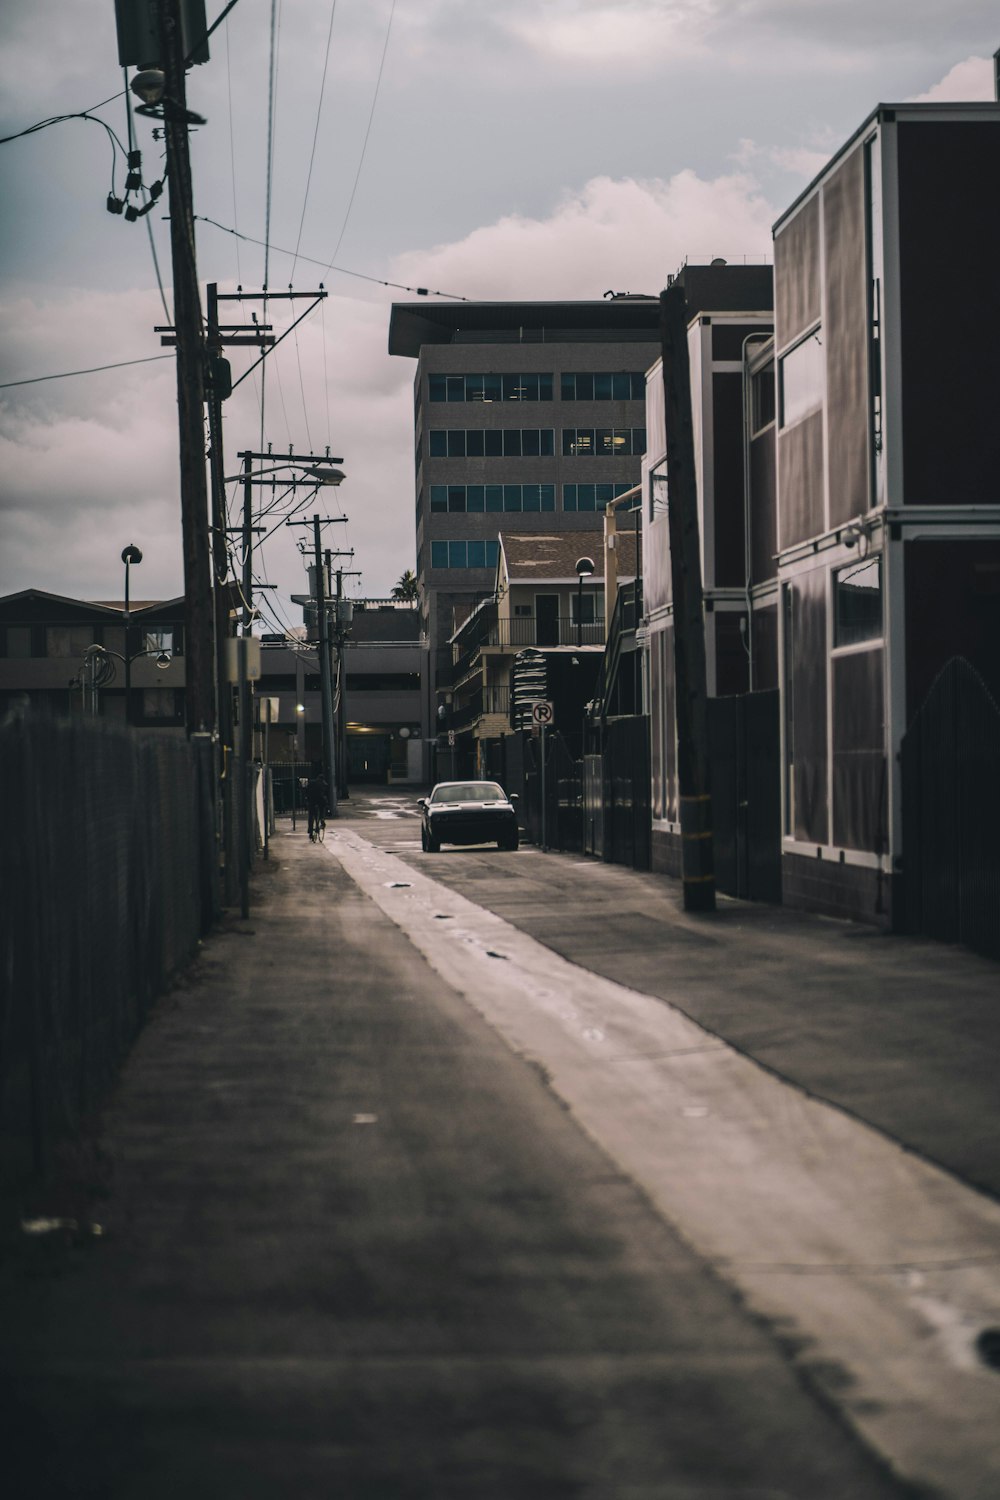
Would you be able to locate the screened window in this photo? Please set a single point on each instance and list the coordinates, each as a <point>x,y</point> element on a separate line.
<point>802,379</point>
<point>472,554</point>
<point>603,442</point>
<point>857,592</point>
<point>621,385</point>
<point>68,640</point>
<point>536,387</point>
<point>591,496</point>
<point>463,498</point>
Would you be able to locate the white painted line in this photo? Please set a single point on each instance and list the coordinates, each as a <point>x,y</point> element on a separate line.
<point>881,1267</point>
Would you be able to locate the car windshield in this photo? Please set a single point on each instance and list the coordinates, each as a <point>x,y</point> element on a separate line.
<point>468,791</point>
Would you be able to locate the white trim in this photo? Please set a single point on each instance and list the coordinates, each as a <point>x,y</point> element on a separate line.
<point>832,854</point>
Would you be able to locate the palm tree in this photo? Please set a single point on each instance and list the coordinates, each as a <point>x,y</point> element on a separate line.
<point>406,587</point>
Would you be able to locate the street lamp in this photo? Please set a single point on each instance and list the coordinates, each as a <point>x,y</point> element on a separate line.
<point>584,569</point>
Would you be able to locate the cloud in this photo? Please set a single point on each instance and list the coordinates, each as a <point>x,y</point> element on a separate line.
<point>601,35</point>
<point>969,80</point>
<point>624,235</point>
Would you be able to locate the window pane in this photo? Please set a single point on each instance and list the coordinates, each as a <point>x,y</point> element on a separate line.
<point>638,439</point>
<point>585,497</point>
<point>19,640</point>
<point>494,497</point>
<point>569,497</point>
<point>638,383</point>
<point>544,388</point>
<point>473,388</point>
<point>438,443</point>
<point>438,388</point>
<point>456,497</point>
<point>492,388</point>
<point>858,609</point>
<point>512,443</point>
<point>456,443</point>
<point>530,497</point>
<point>439,497</point>
<point>512,497</point>
<point>512,388</point>
<point>621,386</point>
<point>606,442</point>
<point>477,555</point>
<point>603,495</point>
<point>492,554</point>
<point>584,387</point>
<point>548,496</point>
<point>802,375</point>
<point>474,445</point>
<point>529,443</point>
<point>493,444</point>
<point>475,498</point>
<point>68,640</point>
<point>456,387</point>
<point>567,386</point>
<point>546,443</point>
<point>439,554</point>
<point>602,387</point>
<point>762,396</point>
<point>456,554</point>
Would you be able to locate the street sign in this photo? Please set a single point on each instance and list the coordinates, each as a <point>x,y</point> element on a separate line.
<point>543,713</point>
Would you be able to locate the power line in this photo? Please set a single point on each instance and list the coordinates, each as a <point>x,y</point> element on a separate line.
<point>312,154</point>
<point>364,147</point>
<point>93,370</point>
<point>421,291</point>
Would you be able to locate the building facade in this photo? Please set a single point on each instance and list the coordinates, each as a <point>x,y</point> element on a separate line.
<point>527,416</point>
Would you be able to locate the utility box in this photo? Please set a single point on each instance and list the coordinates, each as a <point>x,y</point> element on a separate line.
<point>234,650</point>
<point>139,32</point>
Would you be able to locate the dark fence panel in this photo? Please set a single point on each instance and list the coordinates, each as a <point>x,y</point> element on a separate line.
<point>745,746</point>
<point>108,852</point>
<point>627,812</point>
<point>951,813</point>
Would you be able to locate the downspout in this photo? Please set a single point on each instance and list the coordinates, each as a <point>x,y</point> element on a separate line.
<point>747,495</point>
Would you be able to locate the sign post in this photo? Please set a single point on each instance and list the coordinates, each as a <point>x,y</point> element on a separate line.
<point>543,715</point>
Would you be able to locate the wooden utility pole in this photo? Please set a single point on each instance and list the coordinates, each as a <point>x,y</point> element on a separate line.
<point>198,622</point>
<point>691,692</point>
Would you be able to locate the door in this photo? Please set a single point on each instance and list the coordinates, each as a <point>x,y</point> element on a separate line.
<point>547,619</point>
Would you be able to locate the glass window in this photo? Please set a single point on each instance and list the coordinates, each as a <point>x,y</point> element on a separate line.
<point>607,442</point>
<point>493,444</point>
<point>546,442</point>
<point>455,387</point>
<point>158,703</point>
<point>438,443</point>
<point>439,554</point>
<point>858,602</point>
<point>584,388</point>
<point>637,380</point>
<point>567,386</point>
<point>531,497</point>
<point>456,554</point>
<point>476,555</point>
<point>585,497</point>
<point>68,640</point>
<point>512,443</point>
<point>638,439</point>
<point>621,386</point>
<point>474,388</point>
<point>456,497</point>
<point>19,640</point>
<point>157,640</point>
<point>475,498</point>
<point>762,397</point>
<point>603,387</point>
<point>492,388</point>
<point>802,376</point>
<point>492,554</point>
<point>474,445</point>
<point>494,496</point>
<point>512,497</point>
<point>569,496</point>
<point>437,387</point>
<point>530,443</point>
<point>544,388</point>
<point>456,443</point>
<point>513,388</point>
<point>439,497</point>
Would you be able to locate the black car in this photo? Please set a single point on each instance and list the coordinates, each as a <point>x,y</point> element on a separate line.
<point>467,812</point>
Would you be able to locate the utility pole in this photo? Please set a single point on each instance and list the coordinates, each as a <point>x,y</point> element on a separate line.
<point>342,624</point>
<point>693,771</point>
<point>198,623</point>
<point>325,675</point>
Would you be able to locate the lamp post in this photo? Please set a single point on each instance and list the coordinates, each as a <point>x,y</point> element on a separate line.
<point>584,569</point>
<point>130,556</point>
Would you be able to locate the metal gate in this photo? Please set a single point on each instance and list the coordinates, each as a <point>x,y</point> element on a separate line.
<point>745,744</point>
<point>951,813</point>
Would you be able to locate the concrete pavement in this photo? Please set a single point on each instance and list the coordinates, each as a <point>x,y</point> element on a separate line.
<point>355,1245</point>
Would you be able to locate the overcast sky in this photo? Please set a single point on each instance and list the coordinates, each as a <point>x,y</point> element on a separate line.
<point>542,148</point>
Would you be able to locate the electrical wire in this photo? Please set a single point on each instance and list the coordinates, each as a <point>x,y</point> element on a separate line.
<point>302,390</point>
<point>271,90</point>
<point>80,114</point>
<point>93,370</point>
<point>421,291</point>
<point>232,151</point>
<point>368,131</point>
<point>312,154</point>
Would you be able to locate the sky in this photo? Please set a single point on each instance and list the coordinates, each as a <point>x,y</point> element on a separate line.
<point>539,149</point>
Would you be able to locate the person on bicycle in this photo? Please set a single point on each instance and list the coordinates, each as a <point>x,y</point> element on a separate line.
<point>317,800</point>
